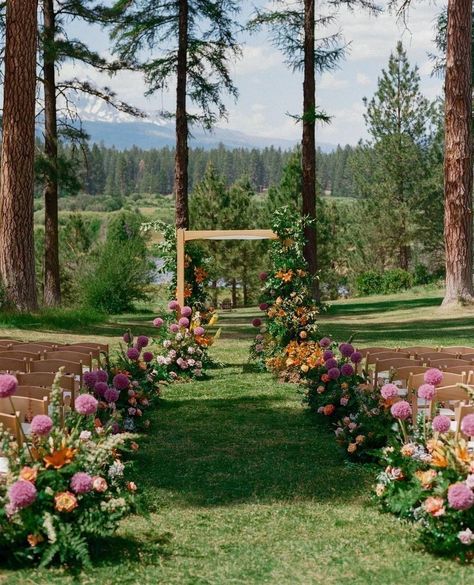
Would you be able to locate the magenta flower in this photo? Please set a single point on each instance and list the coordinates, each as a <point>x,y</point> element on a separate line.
<point>325,342</point>
<point>90,378</point>
<point>86,404</point>
<point>142,341</point>
<point>174,328</point>
<point>184,322</point>
<point>111,394</point>
<point>460,497</point>
<point>389,391</point>
<point>356,357</point>
<point>467,425</point>
<point>334,373</point>
<point>263,306</point>
<point>121,381</point>
<point>441,424</point>
<point>257,322</point>
<point>81,482</point>
<point>133,353</point>
<point>101,388</point>
<point>8,385</point>
<point>127,337</point>
<point>173,305</point>
<point>22,494</point>
<point>327,355</point>
<point>347,370</point>
<point>158,322</point>
<point>426,391</point>
<point>346,349</point>
<point>263,276</point>
<point>199,331</point>
<point>433,376</point>
<point>401,410</point>
<point>331,363</point>
<point>102,376</point>
<point>148,356</point>
<point>186,312</point>
<point>41,425</point>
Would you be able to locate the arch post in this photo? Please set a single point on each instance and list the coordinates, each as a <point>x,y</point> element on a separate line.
<point>180,240</point>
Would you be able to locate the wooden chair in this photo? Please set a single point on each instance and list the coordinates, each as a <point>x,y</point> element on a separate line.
<point>20,354</point>
<point>11,422</point>
<point>457,369</point>
<point>14,365</point>
<point>449,396</point>
<point>371,358</point>
<point>402,374</point>
<point>468,357</point>
<point>435,355</point>
<point>53,365</point>
<point>391,364</point>
<point>370,350</point>
<point>458,349</point>
<point>9,342</point>
<point>94,353</point>
<point>416,349</point>
<point>461,411</point>
<point>443,364</point>
<point>45,379</point>
<point>70,356</point>
<point>34,347</point>
<point>42,393</point>
<point>103,347</point>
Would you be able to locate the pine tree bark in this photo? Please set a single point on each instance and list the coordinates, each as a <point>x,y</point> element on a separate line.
<point>458,154</point>
<point>181,158</point>
<point>52,285</point>
<point>308,150</point>
<point>17,260</point>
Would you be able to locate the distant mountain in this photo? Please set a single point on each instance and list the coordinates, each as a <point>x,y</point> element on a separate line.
<point>116,129</point>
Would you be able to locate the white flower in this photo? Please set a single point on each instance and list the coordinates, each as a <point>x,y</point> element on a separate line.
<point>179,337</point>
<point>166,343</point>
<point>191,350</point>
<point>116,469</point>
<point>466,536</point>
<point>85,435</point>
<point>191,362</point>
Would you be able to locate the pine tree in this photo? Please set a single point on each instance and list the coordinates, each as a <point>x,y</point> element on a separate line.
<point>195,40</point>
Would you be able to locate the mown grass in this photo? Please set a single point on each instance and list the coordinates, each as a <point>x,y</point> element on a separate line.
<point>244,486</point>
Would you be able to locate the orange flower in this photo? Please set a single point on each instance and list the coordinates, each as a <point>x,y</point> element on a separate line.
<point>29,474</point>
<point>301,273</point>
<point>34,539</point>
<point>426,478</point>
<point>65,502</point>
<point>325,378</point>
<point>285,276</point>
<point>462,453</point>
<point>329,409</point>
<point>352,448</point>
<point>59,458</point>
<point>434,506</point>
<point>200,274</point>
<point>188,291</point>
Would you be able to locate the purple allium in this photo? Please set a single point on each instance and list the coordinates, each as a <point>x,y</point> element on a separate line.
<point>356,357</point>
<point>460,497</point>
<point>85,404</point>
<point>158,322</point>
<point>441,424</point>
<point>331,363</point>
<point>22,494</point>
<point>327,355</point>
<point>257,322</point>
<point>142,341</point>
<point>183,322</point>
<point>133,353</point>
<point>346,349</point>
<point>90,378</point>
<point>186,312</point>
<point>263,306</point>
<point>433,376</point>
<point>102,376</point>
<point>121,381</point>
<point>174,328</point>
<point>401,410</point>
<point>263,276</point>
<point>347,370</point>
<point>112,394</point>
<point>334,373</point>
<point>173,305</point>
<point>101,388</point>
<point>325,342</point>
<point>426,391</point>
<point>41,425</point>
<point>8,385</point>
<point>127,337</point>
<point>148,356</point>
<point>467,425</point>
<point>81,483</point>
<point>389,391</point>
<point>199,331</point>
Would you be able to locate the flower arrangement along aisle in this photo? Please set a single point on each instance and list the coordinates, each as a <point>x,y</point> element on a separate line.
<point>288,307</point>
<point>428,478</point>
<point>67,486</point>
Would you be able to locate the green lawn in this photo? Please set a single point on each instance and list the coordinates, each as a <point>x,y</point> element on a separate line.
<point>244,486</point>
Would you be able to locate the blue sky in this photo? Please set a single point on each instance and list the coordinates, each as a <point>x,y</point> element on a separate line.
<point>268,90</point>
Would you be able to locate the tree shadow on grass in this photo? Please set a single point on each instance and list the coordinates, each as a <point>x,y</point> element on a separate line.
<point>366,308</point>
<point>249,449</point>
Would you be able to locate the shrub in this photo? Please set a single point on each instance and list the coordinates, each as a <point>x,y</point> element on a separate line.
<point>369,283</point>
<point>396,280</point>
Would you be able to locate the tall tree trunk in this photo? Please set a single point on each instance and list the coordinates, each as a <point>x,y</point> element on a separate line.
<point>309,142</point>
<point>17,254</point>
<point>181,159</point>
<point>458,154</point>
<point>52,286</point>
<point>234,293</point>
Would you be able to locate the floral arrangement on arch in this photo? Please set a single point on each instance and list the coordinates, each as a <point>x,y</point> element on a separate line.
<point>65,486</point>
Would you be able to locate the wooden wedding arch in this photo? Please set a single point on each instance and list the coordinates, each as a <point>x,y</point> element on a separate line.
<point>183,236</point>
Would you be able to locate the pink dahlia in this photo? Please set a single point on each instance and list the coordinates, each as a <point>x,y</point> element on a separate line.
<point>101,388</point>
<point>426,391</point>
<point>173,305</point>
<point>158,322</point>
<point>90,378</point>
<point>174,328</point>
<point>133,353</point>
<point>466,536</point>
<point>325,342</point>
<point>327,355</point>
<point>41,425</point>
<point>186,312</point>
<point>346,349</point>
<point>8,385</point>
<point>184,322</point>
<point>334,373</point>
<point>81,483</point>
<point>433,376</point>
<point>401,410</point>
<point>148,356</point>
<point>460,497</point>
<point>102,376</point>
<point>356,357</point>
<point>199,331</point>
<point>467,425</point>
<point>21,494</point>
<point>389,391</point>
<point>441,424</point>
<point>347,370</point>
<point>85,404</point>
<point>121,381</point>
<point>142,341</point>
<point>112,394</point>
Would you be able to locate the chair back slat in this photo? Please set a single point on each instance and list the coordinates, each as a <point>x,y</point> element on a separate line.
<point>11,423</point>
<point>45,379</point>
<point>70,356</point>
<point>370,350</point>
<point>444,363</point>
<point>435,355</point>
<point>457,349</point>
<point>94,352</point>
<point>27,407</point>
<point>14,365</point>
<point>20,354</point>
<point>104,347</point>
<point>416,349</point>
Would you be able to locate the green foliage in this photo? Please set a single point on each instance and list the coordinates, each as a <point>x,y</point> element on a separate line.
<point>396,280</point>
<point>369,283</point>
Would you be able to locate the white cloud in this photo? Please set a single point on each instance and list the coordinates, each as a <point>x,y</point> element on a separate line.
<point>257,58</point>
<point>363,79</point>
<point>331,82</point>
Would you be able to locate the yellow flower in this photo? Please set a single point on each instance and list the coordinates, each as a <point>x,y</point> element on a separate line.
<point>29,474</point>
<point>304,368</point>
<point>426,478</point>
<point>352,448</point>
<point>360,439</point>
